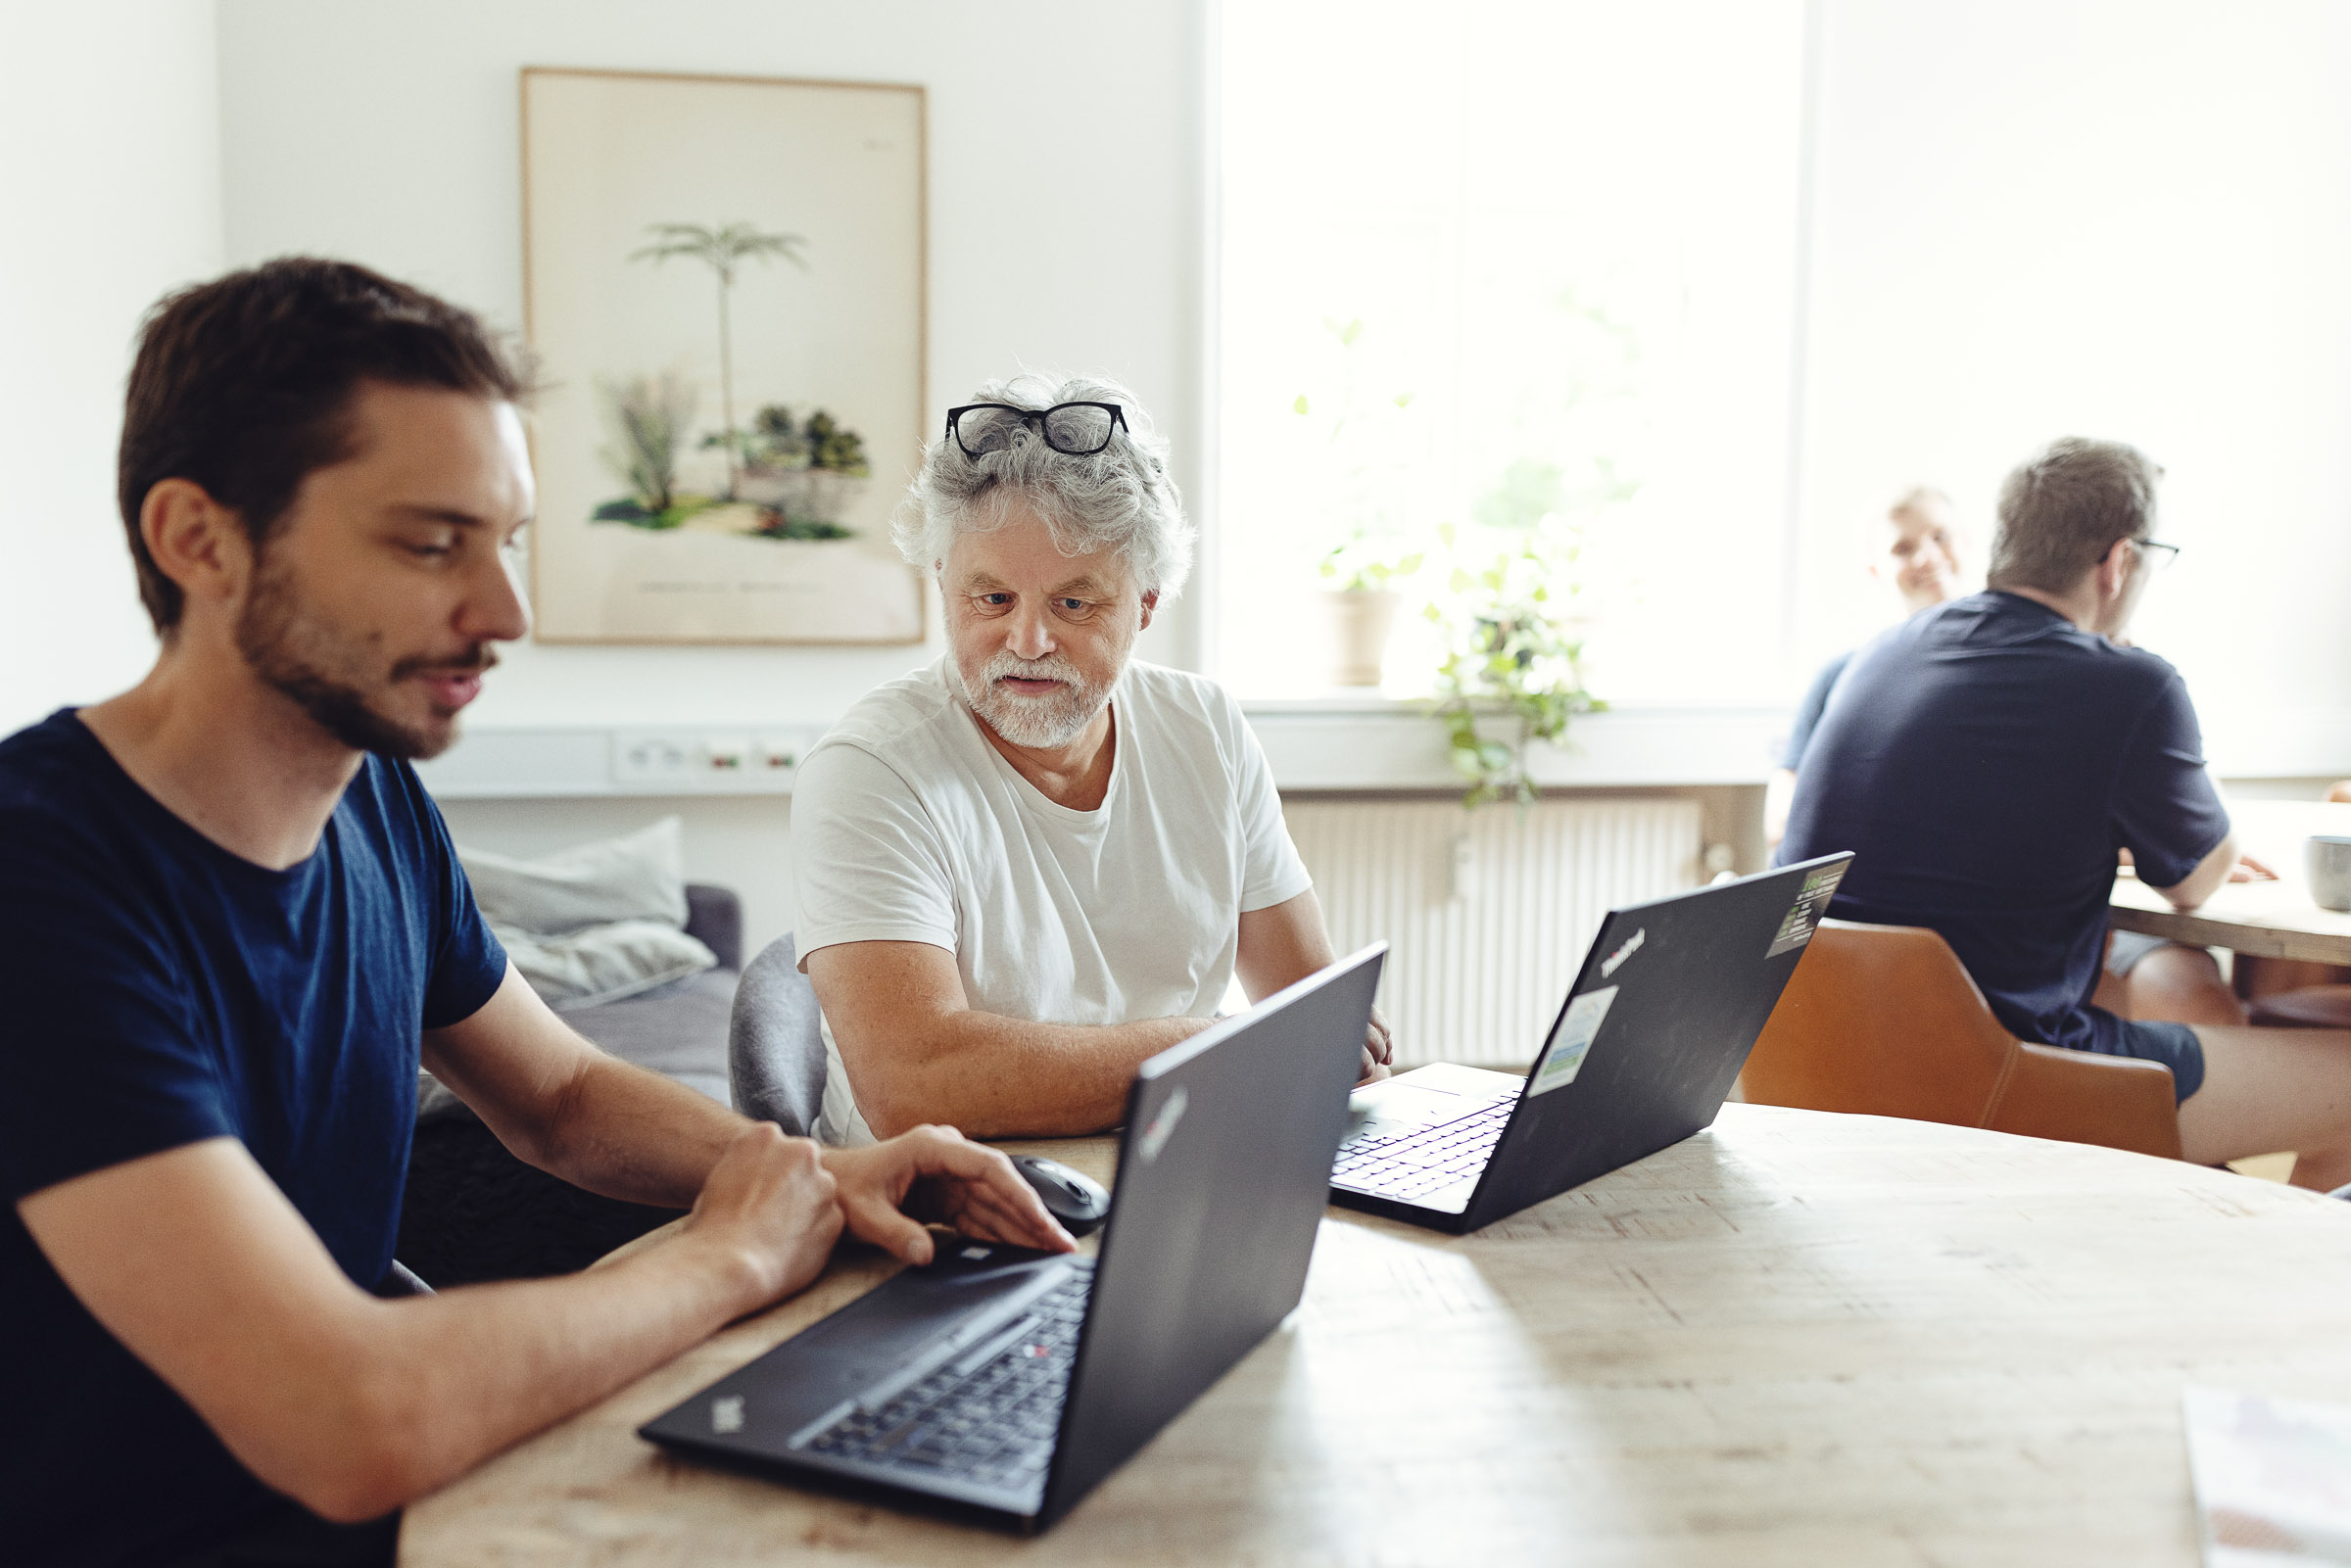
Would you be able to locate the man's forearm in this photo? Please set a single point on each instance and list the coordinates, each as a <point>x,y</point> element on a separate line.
<point>630,1133</point>
<point>448,1380</point>
<point>1000,1078</point>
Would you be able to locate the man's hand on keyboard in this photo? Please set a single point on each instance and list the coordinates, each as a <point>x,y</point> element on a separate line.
<point>932,1174</point>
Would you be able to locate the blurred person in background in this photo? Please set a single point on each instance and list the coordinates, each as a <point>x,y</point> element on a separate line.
<point>1919,559</point>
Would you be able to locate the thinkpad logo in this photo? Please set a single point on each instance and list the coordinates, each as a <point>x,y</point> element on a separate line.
<point>1162,1127</point>
<point>1632,944</point>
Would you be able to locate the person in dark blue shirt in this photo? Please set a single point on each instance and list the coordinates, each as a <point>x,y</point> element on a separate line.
<point>232,929</point>
<point>1987,760</point>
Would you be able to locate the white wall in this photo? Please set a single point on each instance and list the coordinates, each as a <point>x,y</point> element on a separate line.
<point>1063,220</point>
<point>1065,224</point>
<point>2128,219</point>
<point>109,187</point>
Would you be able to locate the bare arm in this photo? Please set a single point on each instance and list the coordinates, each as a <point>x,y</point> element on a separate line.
<point>2211,872</point>
<point>613,1127</point>
<point>1285,944</point>
<point>196,1261</point>
<point>917,1051</point>
<point>571,1109</point>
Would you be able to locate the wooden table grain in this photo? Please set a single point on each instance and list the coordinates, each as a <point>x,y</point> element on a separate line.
<point>1797,1338</point>
<point>2273,920</point>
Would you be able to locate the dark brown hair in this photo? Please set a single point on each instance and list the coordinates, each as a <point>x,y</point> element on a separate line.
<point>2062,509</point>
<point>244,385</point>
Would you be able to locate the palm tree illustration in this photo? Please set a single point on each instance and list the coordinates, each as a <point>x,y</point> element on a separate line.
<point>723,250</point>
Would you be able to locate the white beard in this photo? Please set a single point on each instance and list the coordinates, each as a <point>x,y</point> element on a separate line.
<point>1041,722</point>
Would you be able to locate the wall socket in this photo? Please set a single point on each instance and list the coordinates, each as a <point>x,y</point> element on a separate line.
<point>709,761</point>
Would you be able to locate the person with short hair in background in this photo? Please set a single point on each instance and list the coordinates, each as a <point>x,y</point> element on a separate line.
<point>1033,865</point>
<point>1920,562</point>
<point>1986,759</point>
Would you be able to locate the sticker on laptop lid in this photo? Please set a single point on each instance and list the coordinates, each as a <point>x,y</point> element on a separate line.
<point>1572,1041</point>
<point>1811,902</point>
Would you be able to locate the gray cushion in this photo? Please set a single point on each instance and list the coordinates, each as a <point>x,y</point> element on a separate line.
<point>639,875</point>
<point>581,970</point>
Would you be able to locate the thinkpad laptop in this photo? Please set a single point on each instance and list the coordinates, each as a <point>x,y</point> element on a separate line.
<point>1645,1048</point>
<point>1005,1382</point>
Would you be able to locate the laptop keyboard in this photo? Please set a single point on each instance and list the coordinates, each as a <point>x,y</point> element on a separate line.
<point>1413,1164</point>
<point>989,1417</point>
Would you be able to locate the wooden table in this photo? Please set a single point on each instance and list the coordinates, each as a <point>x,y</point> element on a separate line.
<point>1797,1338</point>
<point>2274,919</point>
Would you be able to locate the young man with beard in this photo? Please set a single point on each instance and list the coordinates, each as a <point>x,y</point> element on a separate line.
<point>1031,866</point>
<point>231,925</point>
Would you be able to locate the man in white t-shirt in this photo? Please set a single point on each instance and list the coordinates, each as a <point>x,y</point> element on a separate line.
<point>1033,865</point>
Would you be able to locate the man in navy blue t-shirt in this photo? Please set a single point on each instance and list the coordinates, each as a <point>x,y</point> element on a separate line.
<point>232,929</point>
<point>1986,759</point>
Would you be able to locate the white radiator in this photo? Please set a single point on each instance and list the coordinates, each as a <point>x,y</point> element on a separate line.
<point>1487,912</point>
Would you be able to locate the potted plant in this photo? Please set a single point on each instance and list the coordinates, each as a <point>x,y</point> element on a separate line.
<point>1360,445</point>
<point>1513,669</point>
<point>1362,605</point>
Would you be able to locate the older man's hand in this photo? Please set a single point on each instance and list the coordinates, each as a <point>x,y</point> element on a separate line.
<point>887,1191</point>
<point>1379,1049</point>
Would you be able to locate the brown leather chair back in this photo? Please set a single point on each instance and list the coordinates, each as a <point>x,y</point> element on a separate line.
<point>1884,1020</point>
<point>1881,1020</point>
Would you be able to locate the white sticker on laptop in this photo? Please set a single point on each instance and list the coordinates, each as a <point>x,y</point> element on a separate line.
<point>1572,1041</point>
<point>1811,902</point>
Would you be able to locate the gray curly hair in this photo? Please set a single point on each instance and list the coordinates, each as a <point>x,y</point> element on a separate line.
<point>1121,499</point>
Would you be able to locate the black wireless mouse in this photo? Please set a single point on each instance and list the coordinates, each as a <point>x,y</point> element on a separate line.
<point>1079,1202</point>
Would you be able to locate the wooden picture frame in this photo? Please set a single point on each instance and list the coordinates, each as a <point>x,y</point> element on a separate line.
<point>731,270</point>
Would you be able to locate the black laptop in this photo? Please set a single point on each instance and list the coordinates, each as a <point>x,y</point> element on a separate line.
<point>1005,1382</point>
<point>1644,1050</point>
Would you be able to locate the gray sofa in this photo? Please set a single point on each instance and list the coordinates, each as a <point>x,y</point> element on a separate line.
<point>472,1211</point>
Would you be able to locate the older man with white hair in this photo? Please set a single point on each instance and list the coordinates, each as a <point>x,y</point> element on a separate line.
<point>1033,865</point>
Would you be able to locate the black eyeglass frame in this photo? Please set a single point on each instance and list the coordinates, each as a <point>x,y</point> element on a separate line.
<point>2156,563</point>
<point>1037,417</point>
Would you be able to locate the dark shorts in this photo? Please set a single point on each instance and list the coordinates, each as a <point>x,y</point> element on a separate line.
<point>2175,1045</point>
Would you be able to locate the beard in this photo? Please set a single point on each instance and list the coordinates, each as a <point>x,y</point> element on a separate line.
<point>1041,722</point>
<point>305,661</point>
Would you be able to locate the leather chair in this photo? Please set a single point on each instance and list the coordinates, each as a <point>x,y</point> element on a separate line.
<point>1883,1020</point>
<point>775,1043</point>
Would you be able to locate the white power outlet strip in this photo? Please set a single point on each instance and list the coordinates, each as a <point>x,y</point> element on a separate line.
<point>685,761</point>
<point>567,763</point>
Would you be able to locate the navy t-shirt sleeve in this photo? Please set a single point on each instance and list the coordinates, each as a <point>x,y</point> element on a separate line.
<point>469,962</point>
<point>1809,712</point>
<point>2166,811</point>
<point>100,1054</point>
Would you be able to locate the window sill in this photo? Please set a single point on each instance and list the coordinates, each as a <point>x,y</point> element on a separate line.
<point>1369,742</point>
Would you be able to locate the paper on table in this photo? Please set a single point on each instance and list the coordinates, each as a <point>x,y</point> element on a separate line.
<point>2273,1479</point>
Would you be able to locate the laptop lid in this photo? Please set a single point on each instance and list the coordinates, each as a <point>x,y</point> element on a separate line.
<point>1670,1002</point>
<point>1223,1174</point>
<point>1222,1170</point>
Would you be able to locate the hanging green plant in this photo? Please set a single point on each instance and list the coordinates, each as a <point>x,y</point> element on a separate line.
<point>1512,671</point>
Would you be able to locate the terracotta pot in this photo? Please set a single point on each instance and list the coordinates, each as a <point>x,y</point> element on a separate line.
<point>1360,622</point>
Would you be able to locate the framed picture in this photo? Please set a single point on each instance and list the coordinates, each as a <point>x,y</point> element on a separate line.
<point>724,282</point>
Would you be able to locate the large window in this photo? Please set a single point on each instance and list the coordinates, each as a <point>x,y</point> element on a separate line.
<point>1501,275</point>
<point>1701,287</point>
